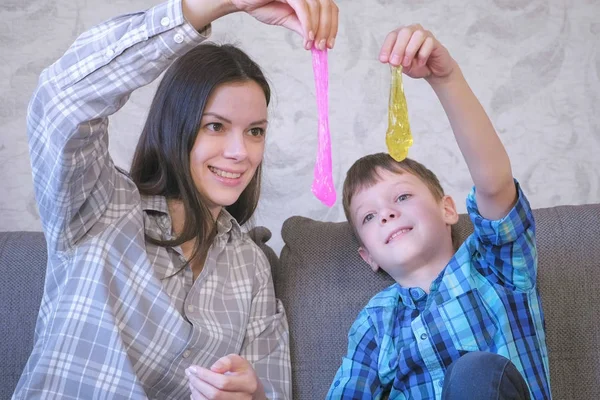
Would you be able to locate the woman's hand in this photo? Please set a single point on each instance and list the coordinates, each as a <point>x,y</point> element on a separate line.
<point>231,377</point>
<point>315,20</point>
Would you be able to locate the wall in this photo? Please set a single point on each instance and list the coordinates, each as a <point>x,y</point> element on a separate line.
<point>534,64</point>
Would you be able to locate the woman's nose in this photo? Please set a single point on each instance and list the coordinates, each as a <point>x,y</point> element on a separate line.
<point>235,146</point>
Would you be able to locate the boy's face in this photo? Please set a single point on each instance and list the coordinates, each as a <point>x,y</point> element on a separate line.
<point>400,223</point>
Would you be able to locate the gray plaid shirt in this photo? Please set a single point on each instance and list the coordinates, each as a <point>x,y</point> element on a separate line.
<point>121,318</point>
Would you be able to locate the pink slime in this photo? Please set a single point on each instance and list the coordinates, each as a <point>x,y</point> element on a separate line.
<point>322,186</point>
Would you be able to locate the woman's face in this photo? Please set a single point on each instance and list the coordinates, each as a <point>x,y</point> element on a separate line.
<point>230,143</point>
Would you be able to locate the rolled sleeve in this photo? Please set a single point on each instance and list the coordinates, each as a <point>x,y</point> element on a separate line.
<point>508,244</point>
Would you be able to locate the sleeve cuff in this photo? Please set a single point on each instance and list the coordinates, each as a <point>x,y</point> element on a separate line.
<point>504,230</point>
<point>167,18</point>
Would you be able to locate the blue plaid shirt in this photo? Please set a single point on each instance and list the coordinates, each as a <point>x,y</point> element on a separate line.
<point>486,299</point>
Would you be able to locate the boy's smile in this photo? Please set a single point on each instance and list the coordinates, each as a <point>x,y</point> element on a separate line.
<point>402,227</point>
<point>398,233</point>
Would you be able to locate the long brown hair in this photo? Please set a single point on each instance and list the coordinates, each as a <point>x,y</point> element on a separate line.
<point>161,162</point>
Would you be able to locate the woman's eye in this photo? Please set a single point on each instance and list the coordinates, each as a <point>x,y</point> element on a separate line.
<point>367,218</point>
<point>402,197</point>
<point>257,132</point>
<point>215,126</point>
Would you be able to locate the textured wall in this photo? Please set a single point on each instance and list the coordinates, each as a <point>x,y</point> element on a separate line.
<point>535,65</point>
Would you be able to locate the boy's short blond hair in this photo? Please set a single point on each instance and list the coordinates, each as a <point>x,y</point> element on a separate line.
<point>363,174</point>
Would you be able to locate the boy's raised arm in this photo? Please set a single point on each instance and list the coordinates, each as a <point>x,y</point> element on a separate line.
<point>422,56</point>
<point>481,147</point>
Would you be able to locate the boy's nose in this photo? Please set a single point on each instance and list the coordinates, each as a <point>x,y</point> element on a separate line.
<point>386,217</point>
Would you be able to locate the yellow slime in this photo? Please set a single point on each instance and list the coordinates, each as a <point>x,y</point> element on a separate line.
<point>398,137</point>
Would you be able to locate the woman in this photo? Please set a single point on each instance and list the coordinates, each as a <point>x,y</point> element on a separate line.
<point>150,277</point>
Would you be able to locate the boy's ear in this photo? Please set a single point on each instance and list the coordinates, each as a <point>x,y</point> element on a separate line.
<point>364,254</point>
<point>449,210</point>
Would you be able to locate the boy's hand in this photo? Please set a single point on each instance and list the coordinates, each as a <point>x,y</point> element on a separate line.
<point>419,53</point>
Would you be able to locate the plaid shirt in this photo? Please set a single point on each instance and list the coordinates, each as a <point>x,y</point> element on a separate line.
<point>120,317</point>
<point>486,299</point>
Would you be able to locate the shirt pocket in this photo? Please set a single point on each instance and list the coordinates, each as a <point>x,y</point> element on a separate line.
<point>469,322</point>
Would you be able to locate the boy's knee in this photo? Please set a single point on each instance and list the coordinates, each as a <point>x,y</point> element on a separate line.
<point>482,375</point>
<point>477,360</point>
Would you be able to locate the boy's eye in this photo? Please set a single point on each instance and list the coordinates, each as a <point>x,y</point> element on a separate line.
<point>257,132</point>
<point>402,197</point>
<point>367,218</point>
<point>215,126</point>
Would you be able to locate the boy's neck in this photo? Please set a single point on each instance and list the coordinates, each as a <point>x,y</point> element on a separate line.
<point>422,276</point>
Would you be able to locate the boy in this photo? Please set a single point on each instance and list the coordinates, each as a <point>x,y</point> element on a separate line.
<point>456,325</point>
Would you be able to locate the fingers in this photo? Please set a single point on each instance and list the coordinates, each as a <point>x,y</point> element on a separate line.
<point>319,20</point>
<point>314,10</point>
<point>425,50</point>
<point>402,45</point>
<point>414,45</point>
<point>195,394</point>
<point>209,382</point>
<point>201,390</point>
<point>302,11</point>
<point>231,363</point>
<point>335,11</point>
<point>328,25</point>
<point>222,365</point>
<point>388,45</point>
<point>289,20</point>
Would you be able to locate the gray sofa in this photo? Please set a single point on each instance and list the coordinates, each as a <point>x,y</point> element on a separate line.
<point>323,284</point>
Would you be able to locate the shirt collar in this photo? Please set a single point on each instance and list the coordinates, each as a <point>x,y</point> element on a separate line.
<point>158,225</point>
<point>411,296</point>
<point>155,203</point>
<point>226,223</point>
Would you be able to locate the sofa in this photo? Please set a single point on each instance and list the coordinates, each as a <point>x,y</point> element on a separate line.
<point>323,284</point>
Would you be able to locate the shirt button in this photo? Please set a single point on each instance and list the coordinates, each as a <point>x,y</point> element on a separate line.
<point>110,52</point>
<point>186,354</point>
<point>165,21</point>
<point>190,308</point>
<point>178,38</point>
<point>423,336</point>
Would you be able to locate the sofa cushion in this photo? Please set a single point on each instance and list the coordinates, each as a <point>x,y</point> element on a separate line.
<point>323,284</point>
<point>23,268</point>
<point>569,283</point>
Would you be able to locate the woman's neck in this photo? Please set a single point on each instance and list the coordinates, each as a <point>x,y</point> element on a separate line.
<point>177,214</point>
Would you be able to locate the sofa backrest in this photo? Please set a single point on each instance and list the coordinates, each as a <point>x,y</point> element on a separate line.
<point>323,284</point>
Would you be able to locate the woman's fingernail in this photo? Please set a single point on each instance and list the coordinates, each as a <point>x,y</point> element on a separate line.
<point>311,35</point>
<point>309,45</point>
<point>406,62</point>
<point>191,371</point>
<point>322,44</point>
<point>395,59</point>
<point>331,43</point>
